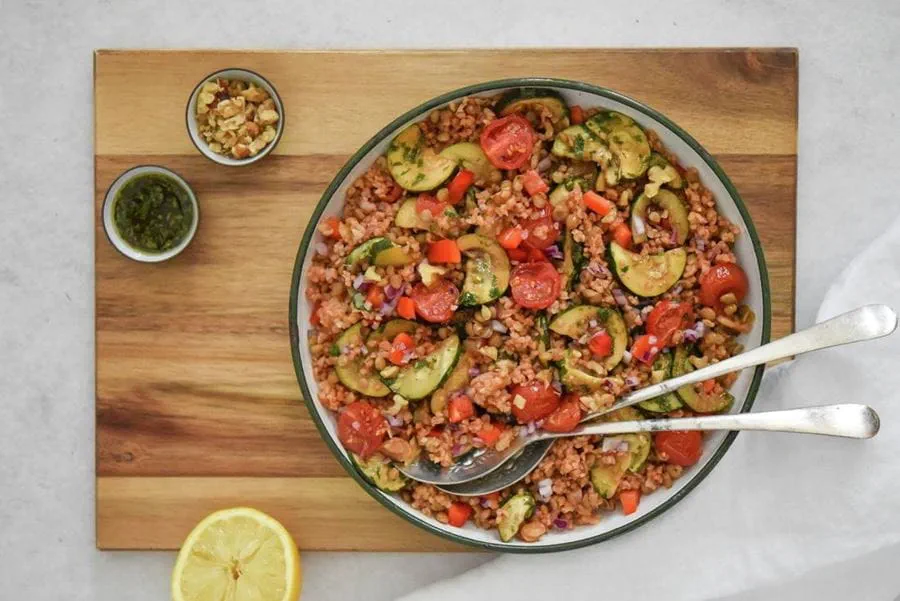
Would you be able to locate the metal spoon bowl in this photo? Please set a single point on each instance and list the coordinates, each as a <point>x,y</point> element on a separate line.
<point>479,473</point>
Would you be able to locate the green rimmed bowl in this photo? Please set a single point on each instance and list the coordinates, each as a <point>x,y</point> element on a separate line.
<point>747,248</point>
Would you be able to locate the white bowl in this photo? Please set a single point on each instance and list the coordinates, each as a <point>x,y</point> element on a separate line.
<point>747,249</point>
<point>116,238</point>
<point>191,116</point>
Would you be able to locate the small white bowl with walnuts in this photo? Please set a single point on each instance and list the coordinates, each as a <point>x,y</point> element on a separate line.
<point>235,117</point>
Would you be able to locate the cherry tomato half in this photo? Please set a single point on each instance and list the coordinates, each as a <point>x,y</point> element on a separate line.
<point>566,417</point>
<point>535,285</point>
<point>682,448</point>
<point>720,280</point>
<point>537,400</point>
<point>508,142</point>
<point>435,303</point>
<point>361,428</point>
<point>542,231</point>
<point>667,317</point>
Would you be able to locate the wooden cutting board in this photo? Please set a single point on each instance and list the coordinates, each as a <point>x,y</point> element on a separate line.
<point>197,406</point>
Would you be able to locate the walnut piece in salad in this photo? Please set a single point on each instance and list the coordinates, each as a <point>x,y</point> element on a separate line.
<point>235,117</point>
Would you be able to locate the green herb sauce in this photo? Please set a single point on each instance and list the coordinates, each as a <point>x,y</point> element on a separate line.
<point>153,212</point>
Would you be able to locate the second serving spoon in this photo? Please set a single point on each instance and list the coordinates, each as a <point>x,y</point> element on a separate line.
<point>478,472</point>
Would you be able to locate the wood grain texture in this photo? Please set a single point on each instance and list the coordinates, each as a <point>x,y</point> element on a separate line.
<point>197,402</point>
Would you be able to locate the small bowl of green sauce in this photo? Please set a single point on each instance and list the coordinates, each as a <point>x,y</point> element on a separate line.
<point>150,214</point>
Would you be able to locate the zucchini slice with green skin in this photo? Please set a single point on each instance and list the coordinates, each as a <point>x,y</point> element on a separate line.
<point>678,215</point>
<point>422,377</point>
<point>625,414</point>
<point>524,99</point>
<point>661,370</point>
<point>368,250</point>
<point>606,478</point>
<point>408,217</point>
<point>388,331</point>
<point>469,155</point>
<point>574,378</point>
<point>349,373</point>
<point>573,261</point>
<point>487,270</point>
<point>560,194</point>
<point>575,323</point>
<point>378,472</point>
<point>513,513</point>
<point>392,256</point>
<point>674,179</point>
<point>457,380</point>
<point>413,165</point>
<point>639,448</point>
<point>647,275</point>
<point>625,139</point>
<point>578,143</point>
<point>697,400</point>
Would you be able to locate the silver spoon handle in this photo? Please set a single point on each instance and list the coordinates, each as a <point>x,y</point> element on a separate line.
<point>864,323</point>
<point>847,420</point>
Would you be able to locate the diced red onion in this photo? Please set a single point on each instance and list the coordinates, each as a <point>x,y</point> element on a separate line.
<point>557,385</point>
<point>474,371</point>
<point>394,421</point>
<point>632,381</point>
<point>639,228</point>
<point>626,357</point>
<point>530,428</point>
<point>358,281</point>
<point>690,335</point>
<point>593,323</point>
<point>321,248</point>
<point>498,326</point>
<point>677,290</point>
<point>455,449</point>
<point>619,297</point>
<point>700,328</point>
<point>646,311</point>
<point>553,252</point>
<point>614,444</point>
<point>545,489</point>
<point>544,164</point>
<point>390,293</point>
<point>485,502</point>
<point>363,349</point>
<point>539,423</point>
<point>700,244</point>
<point>560,523</point>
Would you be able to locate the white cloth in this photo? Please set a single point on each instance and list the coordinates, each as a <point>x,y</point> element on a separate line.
<point>778,506</point>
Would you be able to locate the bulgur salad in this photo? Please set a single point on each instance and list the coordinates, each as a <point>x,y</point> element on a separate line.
<point>514,263</point>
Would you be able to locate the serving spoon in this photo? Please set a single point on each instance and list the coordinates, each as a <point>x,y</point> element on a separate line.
<point>478,472</point>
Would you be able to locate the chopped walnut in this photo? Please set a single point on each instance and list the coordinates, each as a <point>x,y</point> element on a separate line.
<point>236,118</point>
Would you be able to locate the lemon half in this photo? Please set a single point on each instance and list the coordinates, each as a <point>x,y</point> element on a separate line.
<point>238,554</point>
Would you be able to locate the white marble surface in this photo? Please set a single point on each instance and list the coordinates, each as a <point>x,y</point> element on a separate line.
<point>849,86</point>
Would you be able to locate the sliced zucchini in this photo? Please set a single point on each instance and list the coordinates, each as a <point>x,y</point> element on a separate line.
<point>575,323</point>
<point>576,379</point>
<point>661,370</point>
<point>513,514</point>
<point>487,270</point>
<point>560,193</point>
<point>377,471</point>
<point>525,99</point>
<point>543,338</point>
<point>408,217</point>
<point>639,448</point>
<point>577,142</point>
<point>667,175</point>
<point>678,215</point>
<point>367,250</point>
<point>392,256</point>
<point>695,399</point>
<point>647,275</point>
<point>457,380</point>
<point>349,373</point>
<point>388,331</point>
<point>606,478</point>
<point>625,414</point>
<point>413,165</point>
<point>625,139</point>
<point>421,378</point>
<point>573,261</point>
<point>469,155</point>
